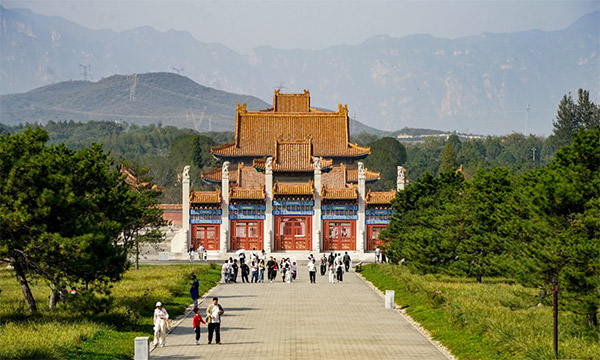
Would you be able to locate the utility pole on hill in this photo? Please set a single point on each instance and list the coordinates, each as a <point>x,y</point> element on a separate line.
<point>526,119</point>
<point>87,70</point>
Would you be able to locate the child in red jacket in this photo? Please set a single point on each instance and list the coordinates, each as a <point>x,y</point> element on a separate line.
<point>196,323</point>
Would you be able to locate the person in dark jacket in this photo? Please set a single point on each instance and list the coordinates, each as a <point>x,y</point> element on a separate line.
<point>194,290</point>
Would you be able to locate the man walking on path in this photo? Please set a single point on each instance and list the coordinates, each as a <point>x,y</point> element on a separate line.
<point>377,255</point>
<point>312,271</point>
<point>213,315</point>
<point>200,252</point>
<point>245,271</point>
<point>346,261</point>
<point>270,265</point>
<point>194,290</point>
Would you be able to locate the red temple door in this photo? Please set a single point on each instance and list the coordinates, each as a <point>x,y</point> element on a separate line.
<point>373,236</point>
<point>293,233</point>
<point>339,235</point>
<point>246,234</point>
<point>206,235</point>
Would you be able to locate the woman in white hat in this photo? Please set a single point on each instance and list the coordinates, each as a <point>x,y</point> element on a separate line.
<point>161,316</point>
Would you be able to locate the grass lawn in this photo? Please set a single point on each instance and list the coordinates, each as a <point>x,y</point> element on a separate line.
<point>63,333</point>
<point>493,320</point>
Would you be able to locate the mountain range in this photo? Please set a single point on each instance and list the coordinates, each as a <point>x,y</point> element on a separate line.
<point>478,84</point>
<point>150,98</point>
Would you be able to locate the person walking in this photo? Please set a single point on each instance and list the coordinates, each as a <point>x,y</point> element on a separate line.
<point>346,261</point>
<point>254,269</point>
<point>275,268</point>
<point>200,252</point>
<point>245,272</point>
<point>312,271</point>
<point>235,270</point>
<point>339,271</point>
<point>261,271</point>
<point>213,316</point>
<point>161,318</point>
<point>331,272</point>
<point>194,290</point>
<point>294,271</point>
<point>284,269</point>
<point>323,265</point>
<point>330,259</point>
<point>196,324</point>
<point>377,255</point>
<point>242,257</point>
<point>225,272</point>
<point>270,268</point>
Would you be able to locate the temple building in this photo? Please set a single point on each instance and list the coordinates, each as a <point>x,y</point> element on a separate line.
<point>290,181</point>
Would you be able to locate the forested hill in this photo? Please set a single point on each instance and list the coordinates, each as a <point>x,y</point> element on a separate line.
<point>150,98</point>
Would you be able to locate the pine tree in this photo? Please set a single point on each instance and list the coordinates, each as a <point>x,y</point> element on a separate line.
<point>564,125</point>
<point>448,158</point>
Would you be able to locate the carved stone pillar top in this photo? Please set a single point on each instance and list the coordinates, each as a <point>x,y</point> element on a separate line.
<point>361,170</point>
<point>317,164</point>
<point>186,173</point>
<point>225,170</point>
<point>269,166</point>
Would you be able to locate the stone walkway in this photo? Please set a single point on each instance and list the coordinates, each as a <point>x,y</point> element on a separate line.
<point>302,321</point>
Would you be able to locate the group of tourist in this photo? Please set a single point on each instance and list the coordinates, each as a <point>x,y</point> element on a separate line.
<point>335,265</point>
<point>213,320</point>
<point>202,253</point>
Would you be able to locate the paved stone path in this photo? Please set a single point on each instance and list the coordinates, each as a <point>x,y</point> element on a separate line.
<point>302,321</point>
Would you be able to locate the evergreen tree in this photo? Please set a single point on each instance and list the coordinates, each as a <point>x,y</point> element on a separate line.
<point>565,123</point>
<point>386,154</point>
<point>61,214</point>
<point>448,158</point>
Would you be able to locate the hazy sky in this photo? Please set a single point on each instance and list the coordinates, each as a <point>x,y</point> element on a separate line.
<point>314,24</point>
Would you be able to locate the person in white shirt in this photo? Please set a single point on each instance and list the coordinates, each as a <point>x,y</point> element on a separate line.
<point>225,272</point>
<point>377,255</point>
<point>161,317</point>
<point>312,271</point>
<point>331,272</point>
<point>200,252</point>
<point>213,317</point>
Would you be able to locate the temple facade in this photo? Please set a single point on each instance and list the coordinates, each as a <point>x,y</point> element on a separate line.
<point>290,181</point>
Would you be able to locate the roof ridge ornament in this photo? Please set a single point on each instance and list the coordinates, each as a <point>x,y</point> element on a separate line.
<point>242,108</point>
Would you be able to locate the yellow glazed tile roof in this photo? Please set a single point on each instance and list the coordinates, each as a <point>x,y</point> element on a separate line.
<point>253,193</point>
<point>380,197</point>
<point>214,175</point>
<point>256,132</point>
<point>206,197</point>
<point>295,188</point>
<point>339,193</point>
<point>352,175</point>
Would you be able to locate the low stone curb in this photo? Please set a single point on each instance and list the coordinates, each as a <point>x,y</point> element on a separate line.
<point>444,350</point>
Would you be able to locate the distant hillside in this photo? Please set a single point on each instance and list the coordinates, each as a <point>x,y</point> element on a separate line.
<point>165,98</point>
<point>478,84</point>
